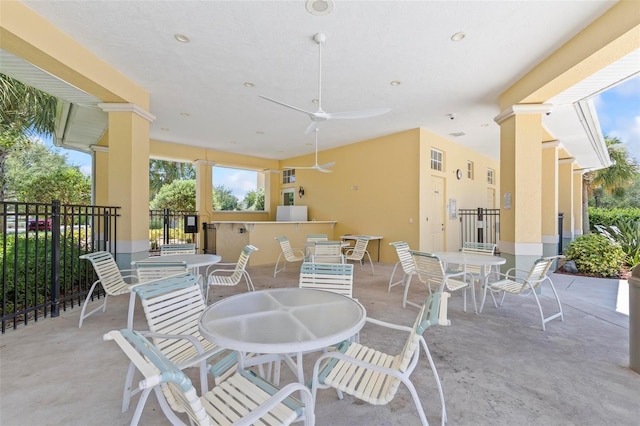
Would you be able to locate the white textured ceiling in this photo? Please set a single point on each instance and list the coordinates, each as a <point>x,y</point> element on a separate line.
<point>197,91</point>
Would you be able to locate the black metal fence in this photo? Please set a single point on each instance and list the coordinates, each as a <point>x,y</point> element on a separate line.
<point>479,225</point>
<point>171,227</point>
<point>40,245</point>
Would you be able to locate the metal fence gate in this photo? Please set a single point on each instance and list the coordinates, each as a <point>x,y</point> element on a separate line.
<point>479,225</point>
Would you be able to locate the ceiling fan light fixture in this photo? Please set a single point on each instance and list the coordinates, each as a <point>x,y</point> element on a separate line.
<point>459,36</point>
<point>396,83</point>
<point>319,7</point>
<point>248,84</point>
<point>182,38</point>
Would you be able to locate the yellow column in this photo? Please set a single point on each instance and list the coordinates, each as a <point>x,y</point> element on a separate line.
<point>128,176</point>
<point>577,203</point>
<point>566,199</point>
<point>550,237</point>
<point>521,134</point>
<point>204,195</point>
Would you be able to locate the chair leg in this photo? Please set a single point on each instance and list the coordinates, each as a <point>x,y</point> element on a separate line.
<point>393,272</point>
<point>86,303</point>
<point>437,377</point>
<point>128,391</point>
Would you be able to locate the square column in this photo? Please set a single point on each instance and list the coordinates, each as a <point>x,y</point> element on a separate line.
<point>128,177</point>
<point>521,135</point>
<point>578,195</point>
<point>566,199</point>
<point>550,237</point>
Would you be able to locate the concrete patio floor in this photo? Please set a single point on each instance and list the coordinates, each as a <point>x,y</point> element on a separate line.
<point>497,368</point>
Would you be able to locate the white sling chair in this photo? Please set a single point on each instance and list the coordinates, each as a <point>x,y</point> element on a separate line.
<point>374,376</point>
<point>242,399</point>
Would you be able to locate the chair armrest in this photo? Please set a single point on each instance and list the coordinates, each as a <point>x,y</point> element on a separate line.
<point>388,325</point>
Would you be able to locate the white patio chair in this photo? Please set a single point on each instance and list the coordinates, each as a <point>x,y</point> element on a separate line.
<point>231,277</point>
<point>358,252</point>
<point>327,252</point>
<point>405,261</point>
<point>290,255</point>
<point>172,308</point>
<point>312,238</point>
<point>374,376</point>
<point>479,273</point>
<point>242,399</point>
<point>525,283</point>
<point>112,280</point>
<point>182,248</point>
<point>430,272</point>
<point>334,277</point>
<point>147,272</point>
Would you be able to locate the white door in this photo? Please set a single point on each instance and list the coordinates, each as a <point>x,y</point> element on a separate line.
<point>436,215</point>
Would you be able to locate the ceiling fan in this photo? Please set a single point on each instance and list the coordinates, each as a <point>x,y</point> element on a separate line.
<point>320,115</point>
<point>321,168</point>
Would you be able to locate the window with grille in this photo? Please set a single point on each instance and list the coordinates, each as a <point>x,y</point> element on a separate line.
<point>436,160</point>
<point>470,169</point>
<point>288,176</point>
<point>490,177</point>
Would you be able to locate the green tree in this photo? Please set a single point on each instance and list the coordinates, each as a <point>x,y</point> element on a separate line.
<point>612,180</point>
<point>223,199</point>
<point>39,175</point>
<point>254,200</point>
<point>25,112</point>
<point>178,195</point>
<point>163,172</point>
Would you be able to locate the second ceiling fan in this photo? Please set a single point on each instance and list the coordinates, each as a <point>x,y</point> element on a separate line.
<point>320,115</point>
<point>321,168</point>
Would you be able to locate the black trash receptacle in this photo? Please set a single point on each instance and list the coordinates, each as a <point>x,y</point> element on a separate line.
<point>634,320</point>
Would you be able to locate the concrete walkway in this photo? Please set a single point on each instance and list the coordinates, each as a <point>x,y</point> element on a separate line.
<point>497,368</point>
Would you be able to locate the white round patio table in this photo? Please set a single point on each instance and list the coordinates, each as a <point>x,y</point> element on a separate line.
<point>280,322</point>
<point>474,259</point>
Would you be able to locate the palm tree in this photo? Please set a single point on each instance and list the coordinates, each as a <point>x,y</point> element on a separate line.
<point>612,180</point>
<point>163,172</point>
<point>25,112</point>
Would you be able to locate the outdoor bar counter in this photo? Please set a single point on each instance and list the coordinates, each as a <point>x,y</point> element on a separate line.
<point>232,236</point>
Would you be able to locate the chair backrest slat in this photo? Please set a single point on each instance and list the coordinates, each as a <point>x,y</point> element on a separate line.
<point>316,237</point>
<point>150,271</point>
<point>172,249</point>
<point>428,267</point>
<point>334,277</point>
<point>107,271</point>
<point>285,245</point>
<point>359,249</point>
<point>404,256</point>
<point>487,249</point>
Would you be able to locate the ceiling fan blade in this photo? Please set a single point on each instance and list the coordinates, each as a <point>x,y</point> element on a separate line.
<point>365,113</point>
<point>320,169</point>
<point>312,128</point>
<point>327,165</point>
<point>309,113</point>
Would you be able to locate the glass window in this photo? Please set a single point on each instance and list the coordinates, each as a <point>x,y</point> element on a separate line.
<point>490,176</point>
<point>288,176</point>
<point>436,160</point>
<point>238,189</point>
<point>470,169</point>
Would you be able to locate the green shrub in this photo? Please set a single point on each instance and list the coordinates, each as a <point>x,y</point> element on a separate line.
<point>596,255</point>
<point>627,234</point>
<point>609,217</point>
<point>32,274</point>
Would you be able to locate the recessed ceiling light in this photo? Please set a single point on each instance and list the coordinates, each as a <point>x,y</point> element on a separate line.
<point>182,38</point>
<point>458,36</point>
<point>185,114</point>
<point>314,101</point>
<point>259,132</point>
<point>396,83</point>
<point>233,142</point>
<point>319,7</point>
<point>484,125</point>
<point>248,84</point>
<point>457,134</point>
<point>164,129</point>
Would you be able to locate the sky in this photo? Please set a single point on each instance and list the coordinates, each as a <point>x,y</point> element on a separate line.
<point>618,112</point>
